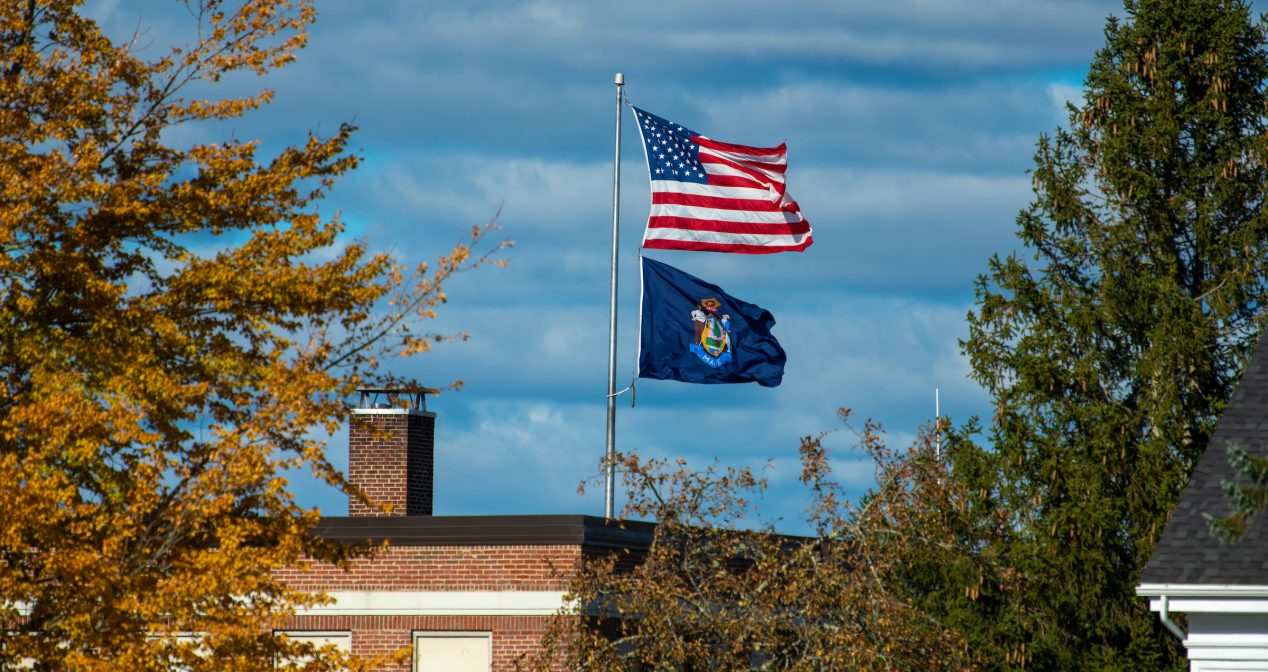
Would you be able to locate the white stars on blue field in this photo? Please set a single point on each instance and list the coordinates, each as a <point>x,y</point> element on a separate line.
<point>671,155</point>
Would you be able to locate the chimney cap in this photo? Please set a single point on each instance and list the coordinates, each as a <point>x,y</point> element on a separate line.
<point>386,398</point>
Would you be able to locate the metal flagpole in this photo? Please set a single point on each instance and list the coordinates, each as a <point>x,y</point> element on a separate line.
<point>937,415</point>
<point>610,485</point>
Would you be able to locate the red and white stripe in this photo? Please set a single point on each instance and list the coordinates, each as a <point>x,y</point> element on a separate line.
<point>743,209</point>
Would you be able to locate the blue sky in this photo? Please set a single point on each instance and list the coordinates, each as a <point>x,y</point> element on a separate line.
<point>910,126</point>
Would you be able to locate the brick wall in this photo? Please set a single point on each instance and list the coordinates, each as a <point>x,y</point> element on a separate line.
<point>439,568</point>
<point>444,568</point>
<point>391,456</point>
<point>513,636</point>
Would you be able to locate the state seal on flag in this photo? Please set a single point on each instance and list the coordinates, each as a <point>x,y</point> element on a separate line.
<point>712,340</point>
<point>728,340</point>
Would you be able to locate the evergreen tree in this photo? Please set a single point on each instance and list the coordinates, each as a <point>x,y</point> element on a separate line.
<point>1111,345</point>
<point>1247,493</point>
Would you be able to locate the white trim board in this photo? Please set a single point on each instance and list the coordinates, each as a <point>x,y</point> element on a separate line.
<point>1200,590</point>
<point>1206,599</point>
<point>438,603</point>
<point>1228,605</point>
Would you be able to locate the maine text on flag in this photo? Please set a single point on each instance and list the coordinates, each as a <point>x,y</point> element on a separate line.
<point>694,332</point>
<point>718,197</point>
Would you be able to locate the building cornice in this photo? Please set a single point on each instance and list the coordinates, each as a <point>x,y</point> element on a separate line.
<point>589,532</point>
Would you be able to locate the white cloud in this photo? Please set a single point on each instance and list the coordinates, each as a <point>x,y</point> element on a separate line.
<point>535,451</point>
<point>974,125</point>
<point>1063,95</point>
<point>910,124</point>
<point>930,33</point>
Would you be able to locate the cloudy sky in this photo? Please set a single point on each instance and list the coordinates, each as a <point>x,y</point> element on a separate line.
<point>910,126</point>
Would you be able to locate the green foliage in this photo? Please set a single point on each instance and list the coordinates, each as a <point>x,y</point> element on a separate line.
<point>1112,344</point>
<point>1247,497</point>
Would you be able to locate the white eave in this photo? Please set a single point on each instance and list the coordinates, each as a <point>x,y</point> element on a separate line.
<point>1209,598</point>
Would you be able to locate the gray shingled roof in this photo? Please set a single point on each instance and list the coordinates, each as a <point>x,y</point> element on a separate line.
<point>1187,553</point>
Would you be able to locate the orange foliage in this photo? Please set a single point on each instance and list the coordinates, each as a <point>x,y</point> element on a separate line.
<point>175,321</point>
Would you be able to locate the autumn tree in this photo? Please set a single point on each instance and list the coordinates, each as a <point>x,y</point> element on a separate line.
<point>711,592</point>
<point>177,323</point>
<point>1111,343</point>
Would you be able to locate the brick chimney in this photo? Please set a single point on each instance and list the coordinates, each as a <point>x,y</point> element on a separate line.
<point>391,447</point>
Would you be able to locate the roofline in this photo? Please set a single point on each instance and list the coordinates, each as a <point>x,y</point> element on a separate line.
<point>1200,590</point>
<point>590,532</point>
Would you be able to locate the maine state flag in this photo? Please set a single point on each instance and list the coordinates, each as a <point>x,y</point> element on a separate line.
<point>695,332</point>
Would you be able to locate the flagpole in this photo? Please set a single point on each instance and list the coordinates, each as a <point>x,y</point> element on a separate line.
<point>610,465</point>
<point>937,418</point>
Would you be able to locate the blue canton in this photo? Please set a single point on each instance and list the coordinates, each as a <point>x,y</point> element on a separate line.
<point>671,155</point>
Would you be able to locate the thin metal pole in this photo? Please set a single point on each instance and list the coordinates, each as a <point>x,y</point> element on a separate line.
<point>609,490</point>
<point>937,418</point>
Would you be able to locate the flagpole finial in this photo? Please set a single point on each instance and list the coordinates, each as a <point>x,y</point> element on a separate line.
<point>620,79</point>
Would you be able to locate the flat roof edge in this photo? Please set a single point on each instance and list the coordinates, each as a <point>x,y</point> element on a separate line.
<point>590,532</point>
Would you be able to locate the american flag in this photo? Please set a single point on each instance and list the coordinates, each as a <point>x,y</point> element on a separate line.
<point>715,196</point>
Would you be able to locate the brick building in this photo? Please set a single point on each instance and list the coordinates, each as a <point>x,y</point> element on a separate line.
<point>464,593</point>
